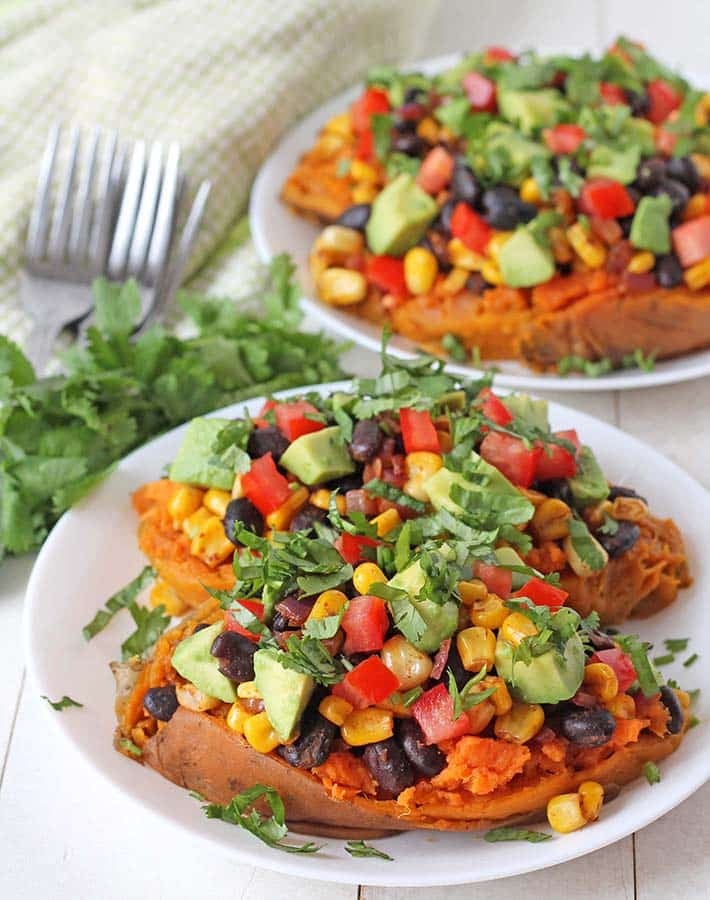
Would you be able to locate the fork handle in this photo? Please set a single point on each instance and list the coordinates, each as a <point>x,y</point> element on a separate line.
<point>40,343</point>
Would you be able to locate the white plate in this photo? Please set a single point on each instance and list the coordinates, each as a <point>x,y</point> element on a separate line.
<point>92,552</point>
<point>277,229</point>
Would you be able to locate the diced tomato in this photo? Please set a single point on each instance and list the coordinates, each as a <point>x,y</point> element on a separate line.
<point>436,171</point>
<point>261,421</point>
<point>265,486</point>
<point>418,432</point>
<point>496,579</point>
<point>365,624</point>
<point>371,102</point>
<point>511,457</point>
<point>231,624</point>
<point>369,683</point>
<point>387,273</point>
<point>543,594</point>
<point>612,94</point>
<point>498,54</point>
<point>605,198</point>
<point>663,99</point>
<point>494,408</point>
<point>691,241</point>
<point>292,418</point>
<point>555,461</point>
<point>434,712</point>
<point>470,228</point>
<point>564,138</point>
<point>620,662</point>
<point>481,91</point>
<point>365,145</point>
<point>665,141</point>
<point>352,546</point>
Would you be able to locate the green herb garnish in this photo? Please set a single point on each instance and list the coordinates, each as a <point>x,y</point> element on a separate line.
<point>361,849</point>
<point>690,660</point>
<point>464,699</point>
<point>130,747</point>
<point>507,833</point>
<point>120,600</point>
<point>664,660</point>
<point>676,645</point>
<point>64,703</point>
<point>652,772</point>
<point>150,624</point>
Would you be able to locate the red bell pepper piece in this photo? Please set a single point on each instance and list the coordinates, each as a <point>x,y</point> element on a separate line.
<point>663,99</point>
<point>605,198</point>
<point>481,91</point>
<point>620,662</point>
<point>265,486</point>
<point>434,712</point>
<point>496,579</point>
<point>564,138</point>
<point>418,432</point>
<point>436,171</point>
<point>231,624</point>
<point>498,54</point>
<point>511,457</point>
<point>691,241</point>
<point>367,684</point>
<point>612,94</point>
<point>292,418</point>
<point>494,408</point>
<point>470,228</point>
<point>387,273</point>
<point>365,145</point>
<point>371,102</point>
<point>352,546</point>
<point>555,461</point>
<point>365,624</point>
<point>543,594</point>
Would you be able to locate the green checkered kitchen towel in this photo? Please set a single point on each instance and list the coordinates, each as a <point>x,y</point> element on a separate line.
<point>223,78</point>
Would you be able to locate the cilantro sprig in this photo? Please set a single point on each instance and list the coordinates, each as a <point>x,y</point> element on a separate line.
<point>64,703</point>
<point>362,850</point>
<point>120,600</point>
<point>465,698</point>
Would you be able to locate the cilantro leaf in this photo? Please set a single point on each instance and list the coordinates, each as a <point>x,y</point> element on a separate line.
<point>652,772</point>
<point>507,833</point>
<point>361,849</point>
<point>64,703</point>
<point>130,747</point>
<point>150,624</point>
<point>464,699</point>
<point>393,494</point>
<point>307,655</point>
<point>120,600</point>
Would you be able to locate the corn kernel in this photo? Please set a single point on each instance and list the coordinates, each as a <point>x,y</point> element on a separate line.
<point>193,524</point>
<point>386,522</point>
<point>496,244</point>
<point>551,519</point>
<point>340,124</point>
<point>698,276</point>
<point>621,707</point>
<point>184,502</point>
<point>329,603</point>
<point>335,709</point>
<point>491,272</point>
<point>193,698</point>
<point>516,627</point>
<point>683,698</point>
<point>463,257</point>
<point>695,207</point>
<point>342,287</point>
<point>561,248</point>
<point>521,723</point>
<point>641,262</point>
<point>477,648</point>
<point>501,699</point>
<point>281,517</point>
<point>589,250</point>
<point>490,612</point>
<point>162,594</point>
<point>420,465</point>
<point>564,813</point>
<point>701,161</point>
<point>321,499</point>
<point>237,716</point>
<point>260,734</point>
<point>363,193</point>
<point>473,592</point>
<point>420,270</point>
<point>530,191</point>
<point>367,574</point>
<point>367,726</point>
<point>247,691</point>
<point>362,171</point>
<point>601,681</point>
<point>216,501</point>
<point>428,129</point>
<point>327,145</point>
<point>480,715</point>
<point>454,282</point>
<point>591,797</point>
<point>411,666</point>
<point>211,544</point>
<point>701,113</point>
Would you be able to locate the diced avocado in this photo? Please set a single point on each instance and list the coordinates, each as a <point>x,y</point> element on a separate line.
<point>532,109</point>
<point>583,551</point>
<point>521,151</point>
<point>523,262</point>
<point>589,484</point>
<point>607,162</point>
<point>452,400</point>
<point>400,216</point>
<point>192,659</point>
<point>527,409</point>
<point>641,132</point>
<point>549,678</point>
<point>650,229</point>
<point>318,456</point>
<point>194,463</point>
<point>285,692</point>
<point>424,623</point>
<point>506,556</point>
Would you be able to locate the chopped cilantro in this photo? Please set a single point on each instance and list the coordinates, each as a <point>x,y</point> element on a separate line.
<point>150,624</point>
<point>361,849</point>
<point>454,347</point>
<point>652,772</point>
<point>610,526</point>
<point>664,660</point>
<point>676,645</point>
<point>64,703</point>
<point>389,492</point>
<point>690,660</point>
<point>308,655</point>
<point>120,600</point>
<point>130,747</point>
<point>464,699</point>
<point>508,833</point>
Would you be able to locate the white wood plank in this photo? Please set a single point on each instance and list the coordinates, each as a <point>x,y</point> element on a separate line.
<point>601,404</point>
<point>13,580</point>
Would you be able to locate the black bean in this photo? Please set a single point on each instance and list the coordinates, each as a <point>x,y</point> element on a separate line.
<point>235,654</point>
<point>426,758</point>
<point>200,627</point>
<point>626,222</point>
<point>672,704</point>
<point>505,210</point>
<point>461,676</point>
<point>443,223</point>
<point>389,766</point>
<point>345,483</point>
<point>356,216</point>
<point>404,126</point>
<point>476,283</point>
<point>312,748</point>
<point>415,95</point>
<point>618,490</point>
<point>626,536</point>
<point>556,487</point>
<point>306,518</point>
<point>161,702</point>
<point>669,272</point>
<point>465,185</point>
<point>267,440</point>
<point>678,193</point>
<point>639,103</point>
<point>366,440</point>
<point>682,168</point>
<point>409,143</point>
<point>599,639</point>
<point>438,244</point>
<point>650,173</point>
<point>279,622</point>
<point>246,514</point>
<point>588,727</point>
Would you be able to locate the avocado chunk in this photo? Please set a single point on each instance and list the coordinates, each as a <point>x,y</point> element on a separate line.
<point>285,692</point>
<point>620,165</point>
<point>589,484</point>
<point>650,229</point>
<point>640,132</point>
<point>192,659</point>
<point>521,151</point>
<point>524,262</point>
<point>194,462</point>
<point>424,623</point>
<point>532,109</point>
<point>548,678</point>
<point>318,456</point>
<point>400,217</point>
<point>583,551</point>
<point>528,410</point>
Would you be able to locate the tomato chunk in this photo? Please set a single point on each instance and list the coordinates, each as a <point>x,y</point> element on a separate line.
<point>365,624</point>
<point>352,546</point>
<point>605,198</point>
<point>612,94</point>
<point>481,91</point>
<point>496,579</point>
<point>494,408</point>
<point>387,273</point>
<point>555,461</point>
<point>365,145</point>
<point>369,683</point>
<point>261,421</point>
<point>511,457</point>
<point>436,171</point>
<point>470,228</point>
<point>371,102</point>
<point>265,486</point>
<point>691,241</point>
<point>564,138</point>
<point>292,418</point>
<point>543,594</point>
<point>663,99</point>
<point>231,624</point>
<point>498,54</point>
<point>620,662</point>
<point>418,432</point>
<point>434,712</point>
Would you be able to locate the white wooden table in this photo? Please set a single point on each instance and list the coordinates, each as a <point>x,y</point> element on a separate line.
<point>65,834</point>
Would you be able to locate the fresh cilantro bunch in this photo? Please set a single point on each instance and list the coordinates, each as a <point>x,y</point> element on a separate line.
<point>60,436</point>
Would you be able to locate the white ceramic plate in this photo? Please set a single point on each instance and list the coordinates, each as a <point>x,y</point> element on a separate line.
<point>92,552</point>
<point>277,229</point>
